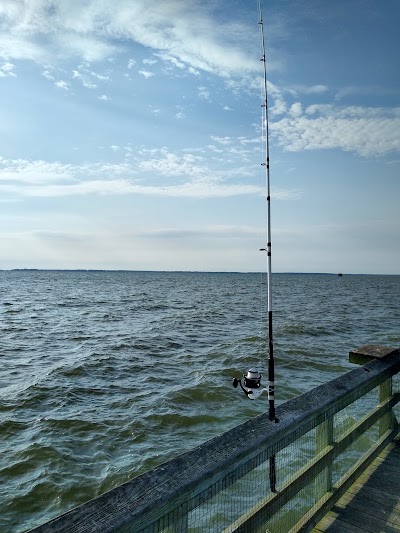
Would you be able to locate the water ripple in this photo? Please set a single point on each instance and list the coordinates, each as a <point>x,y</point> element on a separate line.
<point>106,374</point>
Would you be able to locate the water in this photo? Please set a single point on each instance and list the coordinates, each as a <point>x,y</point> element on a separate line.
<point>106,374</point>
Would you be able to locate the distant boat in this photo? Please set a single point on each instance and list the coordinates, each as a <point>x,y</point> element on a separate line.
<point>340,274</point>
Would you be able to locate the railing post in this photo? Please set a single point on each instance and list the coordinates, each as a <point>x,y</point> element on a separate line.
<point>387,421</point>
<point>324,438</point>
<point>180,526</point>
<point>363,355</point>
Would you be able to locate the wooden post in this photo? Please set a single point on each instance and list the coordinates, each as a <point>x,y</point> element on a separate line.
<point>363,355</point>
<point>324,438</point>
<point>180,526</point>
<point>387,421</point>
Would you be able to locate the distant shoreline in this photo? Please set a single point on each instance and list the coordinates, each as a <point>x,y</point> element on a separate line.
<point>338,274</point>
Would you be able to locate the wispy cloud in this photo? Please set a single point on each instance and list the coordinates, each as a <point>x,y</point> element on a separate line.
<point>221,140</point>
<point>47,73</point>
<point>157,172</point>
<point>61,84</point>
<point>7,70</point>
<point>146,74</point>
<point>204,93</point>
<point>96,31</point>
<point>312,89</point>
<point>367,131</point>
<point>85,82</point>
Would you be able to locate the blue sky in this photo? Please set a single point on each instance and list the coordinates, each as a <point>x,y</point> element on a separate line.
<point>130,135</point>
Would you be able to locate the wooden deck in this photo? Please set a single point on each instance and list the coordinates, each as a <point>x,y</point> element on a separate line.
<point>372,504</point>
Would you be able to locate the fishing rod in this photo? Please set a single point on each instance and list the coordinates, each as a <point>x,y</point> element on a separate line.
<point>271,365</point>
<point>252,380</point>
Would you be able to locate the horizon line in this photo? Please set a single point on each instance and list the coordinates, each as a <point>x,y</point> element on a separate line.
<point>189,271</point>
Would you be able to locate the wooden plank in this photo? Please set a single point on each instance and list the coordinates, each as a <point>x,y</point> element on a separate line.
<point>386,501</point>
<point>370,500</point>
<point>363,355</point>
<point>369,523</point>
<point>396,448</point>
<point>307,523</point>
<point>390,461</point>
<point>377,495</point>
<point>385,481</point>
<point>331,523</point>
<point>380,510</point>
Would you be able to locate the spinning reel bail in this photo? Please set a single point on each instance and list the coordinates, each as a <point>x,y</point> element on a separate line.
<point>251,384</point>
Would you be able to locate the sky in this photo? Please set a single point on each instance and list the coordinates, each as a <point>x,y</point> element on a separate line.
<point>131,135</point>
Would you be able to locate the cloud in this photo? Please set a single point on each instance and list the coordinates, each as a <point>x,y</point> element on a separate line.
<point>83,46</point>
<point>296,109</point>
<point>223,169</point>
<point>122,187</point>
<point>369,90</point>
<point>61,84</point>
<point>367,131</point>
<point>131,64</point>
<point>279,107</point>
<point>85,82</point>
<point>313,89</point>
<point>34,172</point>
<point>104,97</point>
<point>96,30</point>
<point>172,60</point>
<point>221,140</point>
<point>204,93</point>
<point>7,70</point>
<point>16,46</point>
<point>146,74</point>
<point>40,178</point>
<point>316,89</point>
<point>48,74</point>
<point>100,76</point>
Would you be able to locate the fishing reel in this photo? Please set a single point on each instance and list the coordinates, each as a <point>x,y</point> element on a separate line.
<point>251,384</point>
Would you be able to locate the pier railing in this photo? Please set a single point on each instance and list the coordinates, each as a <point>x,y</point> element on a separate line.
<point>323,441</point>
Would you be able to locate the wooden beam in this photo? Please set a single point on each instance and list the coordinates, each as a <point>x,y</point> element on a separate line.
<point>367,353</point>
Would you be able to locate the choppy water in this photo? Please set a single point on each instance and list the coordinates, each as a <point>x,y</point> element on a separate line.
<point>105,374</point>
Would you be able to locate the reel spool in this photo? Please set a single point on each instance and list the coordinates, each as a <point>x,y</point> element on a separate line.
<point>251,384</point>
